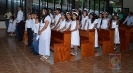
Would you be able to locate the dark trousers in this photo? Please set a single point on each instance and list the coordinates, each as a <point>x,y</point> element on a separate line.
<point>16,31</point>
<point>30,36</point>
<point>20,31</point>
<point>7,23</point>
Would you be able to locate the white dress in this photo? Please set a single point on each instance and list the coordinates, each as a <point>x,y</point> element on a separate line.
<point>44,38</point>
<point>14,25</point>
<point>57,17</point>
<point>91,25</point>
<point>116,36</point>
<point>104,23</point>
<point>10,25</point>
<point>99,22</point>
<point>61,24</point>
<point>83,22</point>
<point>75,38</point>
<point>68,24</point>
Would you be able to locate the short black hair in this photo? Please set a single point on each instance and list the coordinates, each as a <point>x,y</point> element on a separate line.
<point>58,9</point>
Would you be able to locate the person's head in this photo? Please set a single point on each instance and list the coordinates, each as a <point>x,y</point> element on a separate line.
<point>100,15</point>
<point>11,17</point>
<point>32,15</point>
<point>68,15</point>
<point>85,13</point>
<point>29,10</point>
<point>37,20</point>
<point>35,16</point>
<point>129,13</point>
<point>15,16</point>
<point>58,10</point>
<point>118,11</point>
<point>73,10</point>
<point>105,14</point>
<point>79,12</point>
<point>75,16</point>
<point>19,8</point>
<point>50,10</point>
<point>62,15</point>
<point>29,16</point>
<point>92,17</point>
<point>45,12</point>
<point>116,17</point>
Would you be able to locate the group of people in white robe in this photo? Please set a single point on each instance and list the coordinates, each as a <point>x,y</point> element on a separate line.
<point>39,32</point>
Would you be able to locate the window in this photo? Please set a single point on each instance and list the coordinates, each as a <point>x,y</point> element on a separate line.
<point>2,9</point>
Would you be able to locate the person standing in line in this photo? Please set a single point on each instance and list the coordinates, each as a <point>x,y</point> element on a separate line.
<point>99,20</point>
<point>19,23</point>
<point>68,21</point>
<point>28,30</point>
<point>44,35</point>
<point>93,25</point>
<point>7,18</point>
<point>75,38</point>
<point>115,24</point>
<point>120,15</point>
<point>105,23</point>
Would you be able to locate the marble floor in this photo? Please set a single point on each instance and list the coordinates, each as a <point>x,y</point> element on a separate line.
<point>16,58</point>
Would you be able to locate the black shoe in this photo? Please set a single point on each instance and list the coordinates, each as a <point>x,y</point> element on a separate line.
<point>35,53</point>
<point>20,39</point>
<point>28,46</point>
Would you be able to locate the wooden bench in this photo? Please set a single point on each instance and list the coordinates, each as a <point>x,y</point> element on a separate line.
<point>61,45</point>
<point>106,40</point>
<point>131,33</point>
<point>87,40</point>
<point>124,33</point>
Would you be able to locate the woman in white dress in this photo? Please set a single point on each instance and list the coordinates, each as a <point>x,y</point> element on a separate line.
<point>14,25</point>
<point>10,26</point>
<point>44,35</point>
<point>84,24</point>
<point>68,21</point>
<point>115,24</point>
<point>99,20</point>
<point>62,21</point>
<point>105,23</point>
<point>93,25</point>
<point>75,38</point>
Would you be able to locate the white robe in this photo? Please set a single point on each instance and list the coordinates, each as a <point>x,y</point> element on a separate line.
<point>14,25</point>
<point>75,38</point>
<point>83,22</point>
<point>44,38</point>
<point>61,24</point>
<point>10,25</point>
<point>91,25</point>
<point>116,36</point>
<point>104,23</point>
<point>99,22</point>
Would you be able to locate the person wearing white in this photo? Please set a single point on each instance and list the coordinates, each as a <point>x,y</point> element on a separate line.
<point>61,26</point>
<point>7,18</point>
<point>36,37</point>
<point>28,30</point>
<point>14,24</point>
<point>84,25</point>
<point>115,25</point>
<point>44,35</point>
<point>57,18</point>
<point>19,23</point>
<point>129,20</point>
<point>68,21</point>
<point>32,20</point>
<point>75,38</point>
<point>92,25</point>
<point>99,20</point>
<point>10,26</point>
<point>105,21</point>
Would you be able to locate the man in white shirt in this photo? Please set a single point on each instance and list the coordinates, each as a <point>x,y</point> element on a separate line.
<point>7,17</point>
<point>19,23</point>
<point>129,19</point>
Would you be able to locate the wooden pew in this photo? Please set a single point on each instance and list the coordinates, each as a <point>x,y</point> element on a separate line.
<point>87,39</point>
<point>124,33</point>
<point>131,33</point>
<point>61,45</point>
<point>106,40</point>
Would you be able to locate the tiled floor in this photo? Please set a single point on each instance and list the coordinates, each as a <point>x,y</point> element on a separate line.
<point>16,58</point>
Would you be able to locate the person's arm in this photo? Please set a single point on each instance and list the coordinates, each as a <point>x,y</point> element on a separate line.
<point>75,27</point>
<point>63,28</point>
<point>95,26</point>
<point>85,24</point>
<point>57,23</point>
<point>45,26</point>
<point>125,20</point>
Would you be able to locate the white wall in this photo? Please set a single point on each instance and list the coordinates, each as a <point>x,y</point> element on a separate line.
<point>128,4</point>
<point>2,25</point>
